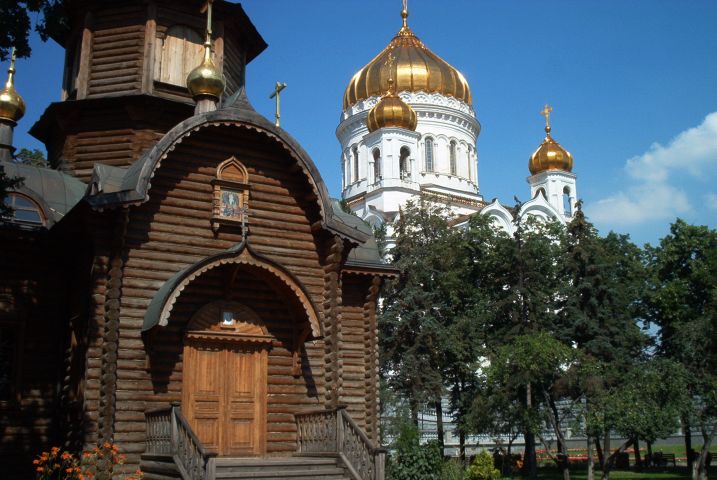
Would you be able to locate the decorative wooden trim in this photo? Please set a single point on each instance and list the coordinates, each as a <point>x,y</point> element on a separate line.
<point>83,71</point>
<point>333,364</point>
<point>110,344</point>
<point>150,39</point>
<point>371,348</point>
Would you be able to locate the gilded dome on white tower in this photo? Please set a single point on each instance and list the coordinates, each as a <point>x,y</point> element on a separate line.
<point>416,69</point>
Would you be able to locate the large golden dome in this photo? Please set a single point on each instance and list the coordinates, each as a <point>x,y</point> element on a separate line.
<point>550,155</point>
<point>391,111</point>
<point>417,69</point>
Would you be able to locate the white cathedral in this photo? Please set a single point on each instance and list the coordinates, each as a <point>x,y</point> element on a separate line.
<point>408,128</point>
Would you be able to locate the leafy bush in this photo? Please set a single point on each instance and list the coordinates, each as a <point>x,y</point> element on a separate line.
<point>453,470</point>
<point>413,461</point>
<point>482,468</point>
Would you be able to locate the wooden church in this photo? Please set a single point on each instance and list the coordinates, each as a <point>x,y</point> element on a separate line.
<point>177,281</point>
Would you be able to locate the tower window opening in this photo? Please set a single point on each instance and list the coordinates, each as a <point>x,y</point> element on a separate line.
<point>403,163</point>
<point>356,164</point>
<point>452,151</point>
<point>567,208</point>
<point>429,154</point>
<point>179,52</point>
<point>376,164</point>
<point>470,162</point>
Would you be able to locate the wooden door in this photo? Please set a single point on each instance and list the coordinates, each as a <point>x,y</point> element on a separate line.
<point>224,396</point>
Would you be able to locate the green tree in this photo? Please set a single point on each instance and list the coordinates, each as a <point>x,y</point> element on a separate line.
<point>598,312</point>
<point>6,185</point>
<point>524,289</point>
<point>34,157</point>
<point>15,23</point>
<point>682,302</point>
<point>543,362</point>
<point>420,304</point>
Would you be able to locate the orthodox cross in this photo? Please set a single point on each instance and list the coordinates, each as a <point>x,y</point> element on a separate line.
<point>545,112</point>
<point>404,13</point>
<point>207,7</point>
<point>277,90</point>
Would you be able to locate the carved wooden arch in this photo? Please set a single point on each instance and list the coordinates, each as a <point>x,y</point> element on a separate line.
<point>249,259</point>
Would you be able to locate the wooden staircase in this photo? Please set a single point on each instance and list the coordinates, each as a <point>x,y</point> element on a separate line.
<point>163,467</point>
<point>330,446</point>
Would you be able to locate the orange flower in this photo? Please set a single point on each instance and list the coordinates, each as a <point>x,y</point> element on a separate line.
<point>106,445</point>
<point>54,450</point>
<point>66,455</point>
<point>36,462</point>
<point>39,469</point>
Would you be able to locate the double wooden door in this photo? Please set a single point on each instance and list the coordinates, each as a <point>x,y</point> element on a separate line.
<point>224,396</point>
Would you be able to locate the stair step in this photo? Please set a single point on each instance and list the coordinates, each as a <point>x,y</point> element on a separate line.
<point>278,465</point>
<point>323,474</point>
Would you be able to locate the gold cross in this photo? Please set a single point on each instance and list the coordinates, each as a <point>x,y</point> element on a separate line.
<point>277,90</point>
<point>404,13</point>
<point>207,7</point>
<point>545,112</point>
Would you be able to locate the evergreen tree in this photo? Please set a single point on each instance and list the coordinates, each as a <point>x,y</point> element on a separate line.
<point>598,313</point>
<point>420,305</point>
<point>682,302</point>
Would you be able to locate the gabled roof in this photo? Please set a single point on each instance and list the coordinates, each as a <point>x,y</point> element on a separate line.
<point>55,192</point>
<point>135,185</point>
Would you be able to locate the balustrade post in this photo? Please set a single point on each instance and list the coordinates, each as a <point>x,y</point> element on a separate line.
<point>339,427</point>
<point>174,434</point>
<point>379,464</point>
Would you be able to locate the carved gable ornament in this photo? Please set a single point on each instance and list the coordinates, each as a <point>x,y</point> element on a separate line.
<point>231,195</point>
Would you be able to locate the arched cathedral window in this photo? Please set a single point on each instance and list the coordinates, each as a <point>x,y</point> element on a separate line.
<point>24,210</point>
<point>356,164</point>
<point>178,53</point>
<point>376,164</point>
<point>452,152</point>
<point>429,154</point>
<point>567,208</point>
<point>403,163</point>
<point>231,194</point>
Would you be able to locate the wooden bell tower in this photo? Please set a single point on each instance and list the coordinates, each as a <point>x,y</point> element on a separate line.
<point>124,84</point>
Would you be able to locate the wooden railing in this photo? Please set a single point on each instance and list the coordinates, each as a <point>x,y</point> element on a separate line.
<point>168,432</point>
<point>334,432</point>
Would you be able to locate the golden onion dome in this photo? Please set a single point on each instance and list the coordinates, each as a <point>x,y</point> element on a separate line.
<point>417,69</point>
<point>12,106</point>
<point>391,111</point>
<point>206,80</point>
<point>550,155</point>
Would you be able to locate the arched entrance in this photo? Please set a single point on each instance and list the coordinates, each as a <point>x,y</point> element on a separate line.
<point>224,387</point>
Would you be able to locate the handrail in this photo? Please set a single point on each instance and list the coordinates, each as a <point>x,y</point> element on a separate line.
<point>335,432</point>
<point>168,432</point>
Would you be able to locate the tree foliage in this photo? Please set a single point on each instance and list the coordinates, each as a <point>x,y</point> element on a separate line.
<point>16,22</point>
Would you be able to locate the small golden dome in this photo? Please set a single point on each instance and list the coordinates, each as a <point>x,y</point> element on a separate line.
<point>417,69</point>
<point>12,106</point>
<point>550,155</point>
<point>206,80</point>
<point>391,111</point>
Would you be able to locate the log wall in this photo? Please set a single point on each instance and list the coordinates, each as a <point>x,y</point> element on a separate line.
<point>172,231</point>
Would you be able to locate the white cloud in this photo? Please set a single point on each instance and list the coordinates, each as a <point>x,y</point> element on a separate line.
<point>642,203</point>
<point>650,196</point>
<point>693,151</point>
<point>711,201</point>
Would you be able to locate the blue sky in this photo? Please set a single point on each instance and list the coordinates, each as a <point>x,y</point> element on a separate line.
<point>633,84</point>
